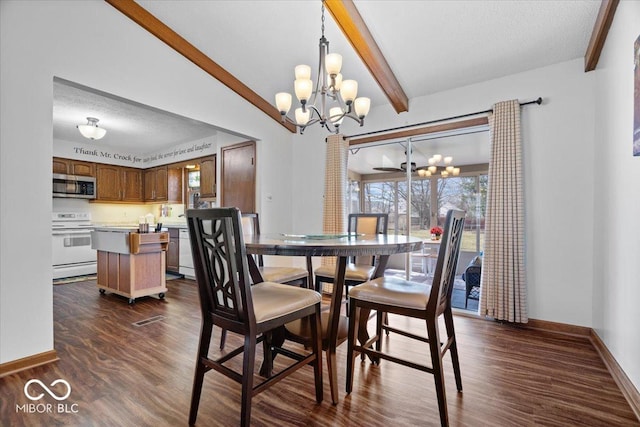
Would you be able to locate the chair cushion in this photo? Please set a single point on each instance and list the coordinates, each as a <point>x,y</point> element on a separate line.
<point>283,274</point>
<point>272,300</point>
<point>393,291</point>
<point>353,272</point>
<point>302,328</point>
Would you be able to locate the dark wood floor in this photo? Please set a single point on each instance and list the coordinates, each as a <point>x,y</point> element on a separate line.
<point>125,375</point>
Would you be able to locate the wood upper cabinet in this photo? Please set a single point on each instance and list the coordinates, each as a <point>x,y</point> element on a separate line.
<point>155,184</point>
<point>118,183</point>
<point>208,177</point>
<point>132,185</point>
<point>73,167</point>
<point>108,183</point>
<point>163,184</point>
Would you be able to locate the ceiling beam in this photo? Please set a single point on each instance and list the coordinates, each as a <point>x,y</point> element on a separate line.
<point>599,34</point>
<point>479,121</point>
<point>348,18</point>
<point>146,20</point>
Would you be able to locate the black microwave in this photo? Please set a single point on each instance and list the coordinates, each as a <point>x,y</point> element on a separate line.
<point>81,187</point>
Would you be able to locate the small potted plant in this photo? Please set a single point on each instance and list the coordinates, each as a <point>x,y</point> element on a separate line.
<point>436,232</point>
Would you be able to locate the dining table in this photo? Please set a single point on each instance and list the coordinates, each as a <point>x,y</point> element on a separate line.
<point>342,246</point>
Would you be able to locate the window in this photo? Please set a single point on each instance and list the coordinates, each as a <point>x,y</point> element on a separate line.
<point>468,193</point>
<point>431,198</point>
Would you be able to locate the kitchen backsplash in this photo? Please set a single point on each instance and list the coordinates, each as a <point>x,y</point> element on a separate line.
<point>116,213</point>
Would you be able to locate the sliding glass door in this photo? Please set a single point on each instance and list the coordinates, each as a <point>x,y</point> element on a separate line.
<point>416,202</point>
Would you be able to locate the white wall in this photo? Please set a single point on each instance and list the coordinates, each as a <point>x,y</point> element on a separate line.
<point>43,39</point>
<point>558,161</point>
<point>617,202</point>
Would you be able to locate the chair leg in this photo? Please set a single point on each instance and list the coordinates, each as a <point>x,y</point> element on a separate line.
<point>354,317</point>
<point>379,319</point>
<point>333,375</point>
<point>223,338</point>
<point>248,361</point>
<point>438,374</point>
<point>203,350</point>
<point>267,349</point>
<point>316,337</point>
<point>453,349</point>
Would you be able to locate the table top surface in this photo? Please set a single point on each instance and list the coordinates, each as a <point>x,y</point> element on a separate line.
<point>331,245</point>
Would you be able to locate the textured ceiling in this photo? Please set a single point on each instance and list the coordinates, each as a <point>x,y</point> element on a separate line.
<point>431,46</point>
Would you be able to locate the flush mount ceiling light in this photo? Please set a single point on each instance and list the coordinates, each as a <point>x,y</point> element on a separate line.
<point>331,101</point>
<point>91,129</point>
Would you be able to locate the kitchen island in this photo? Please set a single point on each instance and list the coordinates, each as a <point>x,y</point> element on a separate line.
<point>130,264</point>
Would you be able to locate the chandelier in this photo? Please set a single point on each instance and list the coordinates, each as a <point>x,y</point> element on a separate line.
<point>91,129</point>
<point>331,101</point>
<point>435,161</point>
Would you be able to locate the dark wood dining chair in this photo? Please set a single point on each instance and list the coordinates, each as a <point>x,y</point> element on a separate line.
<point>229,301</point>
<point>416,300</point>
<point>285,275</point>
<point>360,269</point>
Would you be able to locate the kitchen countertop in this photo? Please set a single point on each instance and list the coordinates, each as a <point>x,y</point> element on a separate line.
<point>126,228</point>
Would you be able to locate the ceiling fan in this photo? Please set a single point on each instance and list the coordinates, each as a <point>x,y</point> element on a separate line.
<point>424,171</point>
<point>402,168</point>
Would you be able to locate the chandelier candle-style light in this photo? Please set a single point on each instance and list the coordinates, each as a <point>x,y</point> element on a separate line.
<point>91,129</point>
<point>331,101</point>
<point>444,162</point>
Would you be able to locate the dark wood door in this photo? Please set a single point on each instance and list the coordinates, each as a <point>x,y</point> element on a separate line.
<point>108,182</point>
<point>208,177</point>
<point>239,176</point>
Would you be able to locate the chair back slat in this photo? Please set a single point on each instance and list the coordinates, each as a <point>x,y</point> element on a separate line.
<point>367,223</point>
<point>220,264</point>
<point>445,271</point>
<point>251,227</point>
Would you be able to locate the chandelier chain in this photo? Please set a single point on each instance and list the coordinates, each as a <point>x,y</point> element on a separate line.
<point>322,18</point>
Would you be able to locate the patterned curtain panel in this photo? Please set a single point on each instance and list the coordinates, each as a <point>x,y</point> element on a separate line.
<point>504,290</point>
<point>335,185</point>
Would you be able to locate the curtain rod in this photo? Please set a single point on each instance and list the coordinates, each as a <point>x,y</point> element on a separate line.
<point>537,101</point>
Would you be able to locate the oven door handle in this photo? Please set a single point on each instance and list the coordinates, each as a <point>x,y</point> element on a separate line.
<point>62,232</point>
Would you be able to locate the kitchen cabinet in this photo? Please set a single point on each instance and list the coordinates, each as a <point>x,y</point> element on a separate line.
<point>73,167</point>
<point>163,184</point>
<point>155,184</point>
<point>208,177</point>
<point>118,183</point>
<point>173,251</point>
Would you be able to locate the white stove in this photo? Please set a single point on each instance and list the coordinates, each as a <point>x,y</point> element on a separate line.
<point>71,239</point>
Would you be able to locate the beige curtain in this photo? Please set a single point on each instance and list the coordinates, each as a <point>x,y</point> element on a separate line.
<point>504,291</point>
<point>335,185</point>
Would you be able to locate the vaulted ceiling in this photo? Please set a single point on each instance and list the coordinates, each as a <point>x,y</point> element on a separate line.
<point>396,49</point>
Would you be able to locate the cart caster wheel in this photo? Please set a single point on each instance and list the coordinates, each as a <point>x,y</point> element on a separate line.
<point>161,295</point>
<point>102,291</point>
<point>132,300</point>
